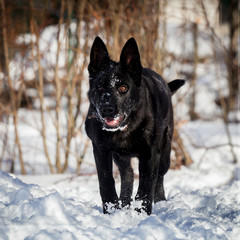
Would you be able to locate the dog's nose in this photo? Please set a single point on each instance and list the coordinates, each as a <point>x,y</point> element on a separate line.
<point>107,111</point>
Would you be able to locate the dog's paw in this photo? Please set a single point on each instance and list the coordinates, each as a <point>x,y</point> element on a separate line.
<point>109,208</point>
<point>143,207</point>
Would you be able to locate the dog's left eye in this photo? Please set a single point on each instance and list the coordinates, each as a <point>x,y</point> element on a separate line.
<point>123,88</point>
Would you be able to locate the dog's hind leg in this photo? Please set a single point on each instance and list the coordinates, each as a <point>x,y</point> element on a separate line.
<point>126,173</point>
<point>163,168</point>
<point>159,191</point>
<point>159,194</point>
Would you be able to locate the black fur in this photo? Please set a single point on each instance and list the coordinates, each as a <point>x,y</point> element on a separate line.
<point>130,115</point>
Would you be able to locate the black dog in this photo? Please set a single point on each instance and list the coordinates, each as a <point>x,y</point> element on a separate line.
<point>130,115</point>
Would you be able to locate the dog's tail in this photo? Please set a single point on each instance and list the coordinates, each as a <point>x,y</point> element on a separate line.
<point>175,85</point>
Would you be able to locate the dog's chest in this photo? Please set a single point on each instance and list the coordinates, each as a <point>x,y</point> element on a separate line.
<point>123,142</point>
<point>132,144</point>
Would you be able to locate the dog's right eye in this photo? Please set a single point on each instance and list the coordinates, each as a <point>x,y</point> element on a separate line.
<point>100,88</point>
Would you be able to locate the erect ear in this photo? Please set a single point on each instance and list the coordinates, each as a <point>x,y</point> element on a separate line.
<point>98,56</point>
<point>130,59</point>
<point>175,85</point>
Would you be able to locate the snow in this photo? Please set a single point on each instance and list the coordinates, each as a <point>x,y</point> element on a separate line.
<point>203,200</point>
<point>70,208</point>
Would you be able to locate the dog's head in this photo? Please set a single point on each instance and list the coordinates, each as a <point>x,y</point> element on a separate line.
<point>114,87</point>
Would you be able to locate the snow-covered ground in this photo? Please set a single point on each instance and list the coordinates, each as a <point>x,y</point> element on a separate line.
<point>70,208</point>
<point>203,200</point>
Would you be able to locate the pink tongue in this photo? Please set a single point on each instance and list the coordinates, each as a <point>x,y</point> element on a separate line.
<point>112,122</point>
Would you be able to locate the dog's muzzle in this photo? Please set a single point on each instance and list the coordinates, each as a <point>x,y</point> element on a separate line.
<point>111,120</point>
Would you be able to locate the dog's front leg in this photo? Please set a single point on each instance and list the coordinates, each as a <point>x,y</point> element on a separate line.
<point>126,173</point>
<point>103,159</point>
<point>148,172</point>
